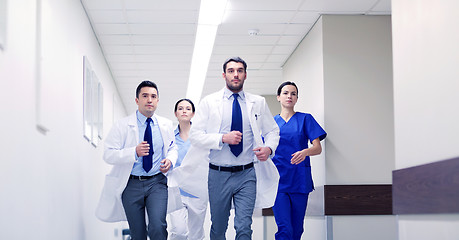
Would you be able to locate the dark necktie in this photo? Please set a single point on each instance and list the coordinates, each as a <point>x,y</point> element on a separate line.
<point>236,124</point>
<point>148,160</point>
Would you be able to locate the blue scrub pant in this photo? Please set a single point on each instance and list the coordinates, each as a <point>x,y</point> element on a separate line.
<point>149,195</point>
<point>289,211</point>
<point>224,188</point>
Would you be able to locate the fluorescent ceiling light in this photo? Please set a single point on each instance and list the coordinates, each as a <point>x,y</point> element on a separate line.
<point>211,11</point>
<point>210,16</point>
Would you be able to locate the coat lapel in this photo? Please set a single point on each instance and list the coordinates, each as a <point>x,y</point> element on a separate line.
<point>219,108</point>
<point>133,127</point>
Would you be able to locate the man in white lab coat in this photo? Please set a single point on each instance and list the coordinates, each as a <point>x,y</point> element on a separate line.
<point>141,149</point>
<point>237,135</point>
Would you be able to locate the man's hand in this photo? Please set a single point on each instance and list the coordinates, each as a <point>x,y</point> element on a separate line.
<point>143,149</point>
<point>233,137</point>
<point>262,153</point>
<point>165,165</point>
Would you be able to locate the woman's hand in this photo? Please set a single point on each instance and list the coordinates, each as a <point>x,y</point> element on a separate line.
<point>298,157</point>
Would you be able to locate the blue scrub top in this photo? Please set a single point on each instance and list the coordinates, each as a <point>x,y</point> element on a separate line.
<point>294,136</point>
<point>182,148</point>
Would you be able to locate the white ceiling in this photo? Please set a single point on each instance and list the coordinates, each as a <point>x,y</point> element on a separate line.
<point>148,39</point>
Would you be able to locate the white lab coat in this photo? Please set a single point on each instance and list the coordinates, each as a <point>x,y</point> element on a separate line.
<point>192,174</point>
<point>119,151</point>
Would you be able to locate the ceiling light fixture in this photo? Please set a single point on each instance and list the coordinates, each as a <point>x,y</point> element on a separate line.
<point>210,17</point>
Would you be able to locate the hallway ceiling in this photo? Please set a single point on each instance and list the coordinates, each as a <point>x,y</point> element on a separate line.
<point>147,39</point>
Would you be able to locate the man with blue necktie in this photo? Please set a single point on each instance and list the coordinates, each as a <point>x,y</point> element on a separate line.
<point>228,127</point>
<point>141,149</point>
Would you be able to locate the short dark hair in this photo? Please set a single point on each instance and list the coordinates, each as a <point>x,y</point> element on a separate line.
<point>285,84</point>
<point>184,99</point>
<point>235,59</point>
<point>143,84</point>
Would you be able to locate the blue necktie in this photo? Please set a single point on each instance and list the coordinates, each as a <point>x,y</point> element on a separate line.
<point>236,124</point>
<point>148,160</point>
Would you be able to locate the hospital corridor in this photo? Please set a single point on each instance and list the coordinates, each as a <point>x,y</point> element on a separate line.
<point>379,76</point>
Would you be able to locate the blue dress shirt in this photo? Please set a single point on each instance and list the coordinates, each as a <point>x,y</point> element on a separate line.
<point>158,155</point>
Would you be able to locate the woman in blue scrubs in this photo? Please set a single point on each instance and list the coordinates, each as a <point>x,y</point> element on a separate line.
<point>293,163</point>
<point>187,222</point>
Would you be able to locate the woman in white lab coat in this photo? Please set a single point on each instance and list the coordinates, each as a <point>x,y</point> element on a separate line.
<point>187,222</point>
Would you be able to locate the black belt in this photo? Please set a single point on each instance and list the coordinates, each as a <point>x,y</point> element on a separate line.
<point>142,178</point>
<point>231,169</point>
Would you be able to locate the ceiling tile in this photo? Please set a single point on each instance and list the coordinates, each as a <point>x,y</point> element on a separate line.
<point>264,5</point>
<point>177,29</point>
<point>277,58</point>
<point>109,28</point>
<point>246,40</point>
<point>102,4</point>
<point>305,17</point>
<point>163,5</point>
<point>119,49</point>
<point>283,49</point>
<point>264,29</point>
<point>383,6</point>
<point>297,29</point>
<point>242,49</point>
<point>338,5</point>
<point>108,16</point>
<point>162,16</point>
<point>272,65</point>
<point>164,49</point>
<point>169,58</point>
<point>264,17</point>
<point>287,40</point>
<point>162,66</point>
<point>150,73</point>
<point>144,39</point>
<point>163,39</point>
<point>115,39</point>
<point>119,57</point>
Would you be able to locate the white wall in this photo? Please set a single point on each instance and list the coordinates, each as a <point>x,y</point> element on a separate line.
<point>343,69</point>
<point>426,99</point>
<point>273,104</point>
<point>50,183</point>
<point>426,83</point>
<point>305,68</point>
<point>358,99</point>
<point>359,115</point>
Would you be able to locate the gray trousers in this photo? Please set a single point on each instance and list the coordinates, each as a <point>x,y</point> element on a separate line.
<point>236,187</point>
<point>149,195</point>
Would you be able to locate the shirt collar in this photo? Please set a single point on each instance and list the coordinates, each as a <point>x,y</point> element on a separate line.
<point>177,131</point>
<point>142,119</point>
<point>227,94</point>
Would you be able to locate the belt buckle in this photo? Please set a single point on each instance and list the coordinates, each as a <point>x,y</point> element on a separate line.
<point>142,179</point>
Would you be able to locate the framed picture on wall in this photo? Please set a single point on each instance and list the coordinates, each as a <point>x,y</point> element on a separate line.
<point>87,99</point>
<point>94,110</point>
<point>100,111</point>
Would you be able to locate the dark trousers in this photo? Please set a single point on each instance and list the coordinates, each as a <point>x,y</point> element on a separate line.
<point>239,188</point>
<point>151,196</point>
<point>289,211</point>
